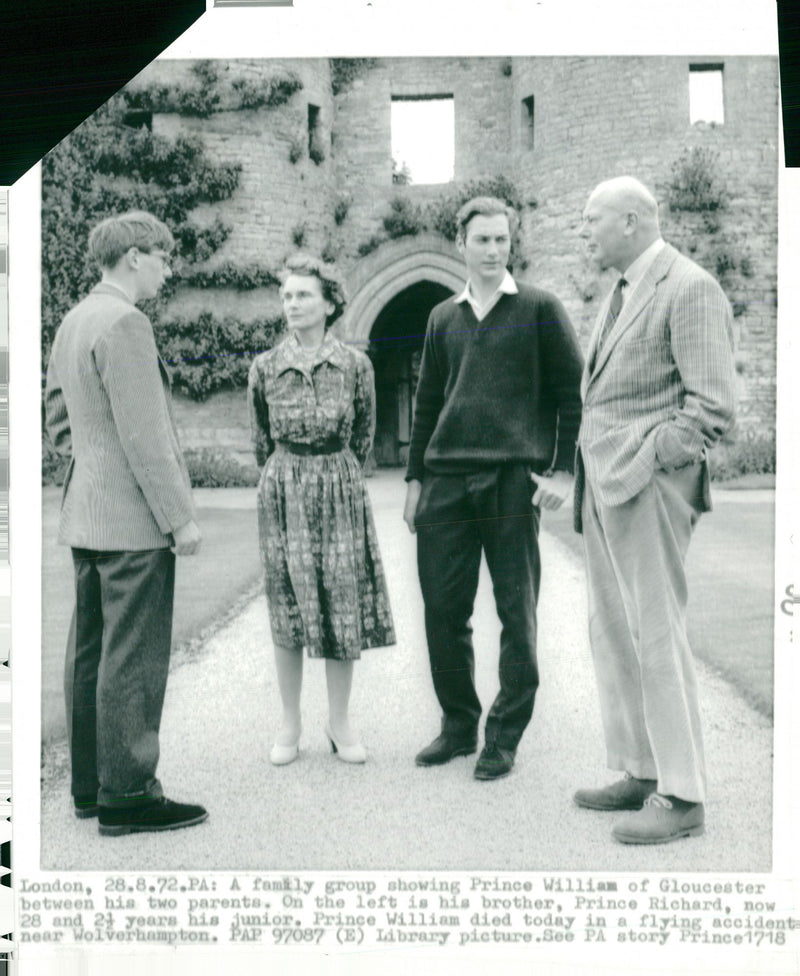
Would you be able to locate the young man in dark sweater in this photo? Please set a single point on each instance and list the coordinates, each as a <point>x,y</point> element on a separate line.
<point>497,413</point>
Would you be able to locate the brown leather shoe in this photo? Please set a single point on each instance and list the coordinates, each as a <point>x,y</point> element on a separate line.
<point>626,794</point>
<point>661,819</point>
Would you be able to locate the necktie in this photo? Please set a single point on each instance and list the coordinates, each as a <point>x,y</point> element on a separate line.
<point>613,312</point>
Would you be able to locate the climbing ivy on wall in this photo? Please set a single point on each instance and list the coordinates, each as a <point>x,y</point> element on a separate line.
<point>207,353</point>
<point>697,217</point>
<point>408,219</point>
<point>104,167</point>
<point>344,71</point>
<point>107,166</point>
<point>210,89</point>
<point>700,221</point>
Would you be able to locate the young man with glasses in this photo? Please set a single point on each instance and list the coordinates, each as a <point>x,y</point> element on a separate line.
<point>127,511</point>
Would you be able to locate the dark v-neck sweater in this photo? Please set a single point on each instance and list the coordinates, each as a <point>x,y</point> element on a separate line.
<point>505,389</point>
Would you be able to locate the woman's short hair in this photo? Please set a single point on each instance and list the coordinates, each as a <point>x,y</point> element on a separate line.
<point>330,283</point>
<point>484,207</point>
<point>114,236</point>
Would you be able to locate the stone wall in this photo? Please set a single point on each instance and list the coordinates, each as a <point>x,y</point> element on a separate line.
<point>593,118</point>
<point>275,197</point>
<point>362,132</point>
<point>601,117</point>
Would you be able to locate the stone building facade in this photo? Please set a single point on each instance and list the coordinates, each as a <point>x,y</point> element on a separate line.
<point>318,170</point>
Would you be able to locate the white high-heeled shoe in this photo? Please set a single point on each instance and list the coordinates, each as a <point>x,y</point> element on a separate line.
<point>283,755</point>
<point>355,753</point>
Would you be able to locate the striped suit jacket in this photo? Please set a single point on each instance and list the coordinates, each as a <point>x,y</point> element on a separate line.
<point>108,409</point>
<point>661,389</point>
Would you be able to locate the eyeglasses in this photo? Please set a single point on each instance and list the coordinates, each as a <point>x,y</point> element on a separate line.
<point>162,256</point>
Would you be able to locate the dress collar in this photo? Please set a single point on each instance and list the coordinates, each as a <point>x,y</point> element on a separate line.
<point>330,350</point>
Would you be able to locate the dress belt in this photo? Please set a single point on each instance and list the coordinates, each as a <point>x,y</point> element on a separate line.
<point>326,447</point>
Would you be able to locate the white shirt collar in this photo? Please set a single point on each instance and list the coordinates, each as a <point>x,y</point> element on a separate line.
<point>638,268</point>
<point>506,287</point>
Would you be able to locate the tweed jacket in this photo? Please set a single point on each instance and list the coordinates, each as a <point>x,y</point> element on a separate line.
<point>107,407</point>
<point>661,389</point>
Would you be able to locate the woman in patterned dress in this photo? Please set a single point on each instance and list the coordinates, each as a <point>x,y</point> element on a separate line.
<point>312,412</point>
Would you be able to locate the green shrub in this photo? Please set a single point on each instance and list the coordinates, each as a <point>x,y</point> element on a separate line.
<point>210,468</point>
<point>316,153</point>
<point>209,95</point>
<point>404,219</point>
<point>227,275</point>
<point>341,210</point>
<point>202,242</point>
<point>695,184</point>
<point>207,354</point>
<point>441,216</point>
<point>408,219</point>
<point>370,245</point>
<point>270,93</point>
<point>401,173</point>
<point>746,455</point>
<point>330,252</point>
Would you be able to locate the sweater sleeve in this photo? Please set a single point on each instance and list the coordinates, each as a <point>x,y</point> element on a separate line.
<point>562,367</point>
<point>428,404</point>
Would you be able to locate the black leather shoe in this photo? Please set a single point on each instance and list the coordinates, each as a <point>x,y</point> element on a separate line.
<point>160,814</point>
<point>494,762</point>
<point>85,806</point>
<point>443,749</point>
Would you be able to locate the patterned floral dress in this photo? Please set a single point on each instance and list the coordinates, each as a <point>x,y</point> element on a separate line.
<point>312,420</point>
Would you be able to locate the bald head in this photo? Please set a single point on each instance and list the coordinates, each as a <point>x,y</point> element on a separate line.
<point>620,222</point>
<point>630,196</point>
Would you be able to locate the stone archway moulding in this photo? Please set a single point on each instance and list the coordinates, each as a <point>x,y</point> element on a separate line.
<point>396,265</point>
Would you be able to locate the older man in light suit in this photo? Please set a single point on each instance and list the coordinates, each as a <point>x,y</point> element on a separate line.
<point>126,511</point>
<point>658,391</point>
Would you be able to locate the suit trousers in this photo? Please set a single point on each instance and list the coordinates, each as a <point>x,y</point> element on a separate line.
<point>458,517</point>
<point>635,563</point>
<point>116,670</point>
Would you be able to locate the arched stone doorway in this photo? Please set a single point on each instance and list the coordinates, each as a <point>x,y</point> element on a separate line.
<point>395,349</point>
<point>391,294</point>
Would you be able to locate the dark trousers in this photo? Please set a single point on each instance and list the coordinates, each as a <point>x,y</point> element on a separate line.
<point>457,517</point>
<point>116,670</point>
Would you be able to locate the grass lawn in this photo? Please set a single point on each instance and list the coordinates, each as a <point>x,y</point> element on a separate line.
<point>731,590</point>
<point>206,586</point>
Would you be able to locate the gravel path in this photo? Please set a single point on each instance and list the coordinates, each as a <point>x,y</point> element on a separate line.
<point>318,813</point>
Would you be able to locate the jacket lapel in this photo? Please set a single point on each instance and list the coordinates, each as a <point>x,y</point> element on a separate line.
<point>166,375</point>
<point>637,302</point>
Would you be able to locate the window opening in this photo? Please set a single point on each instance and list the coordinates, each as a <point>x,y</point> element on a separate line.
<point>423,139</point>
<point>706,95</point>
<point>527,122</point>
